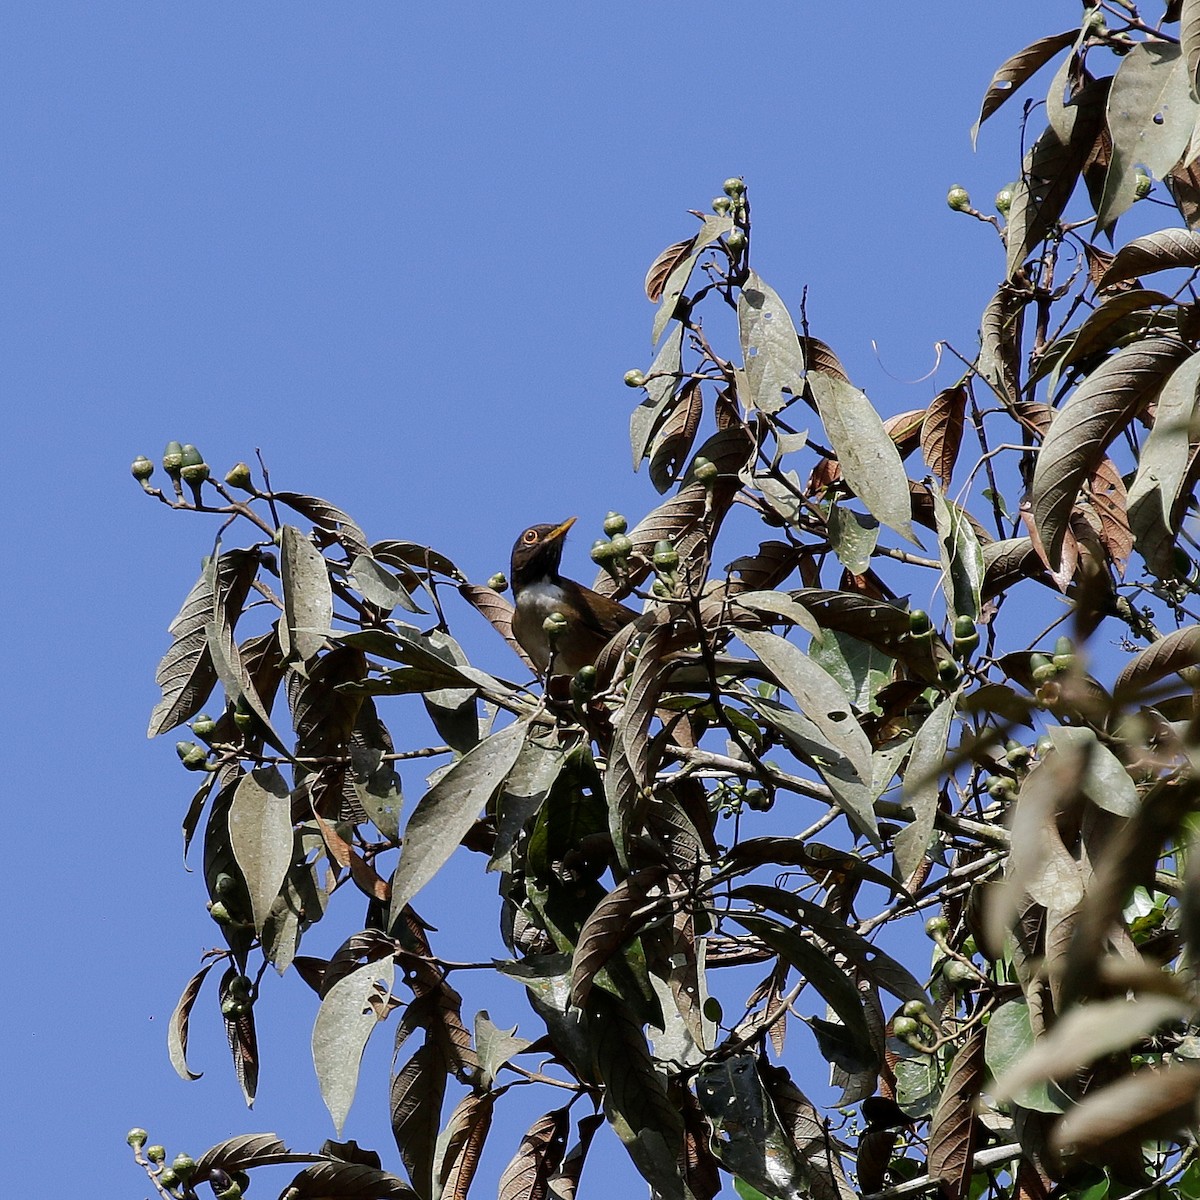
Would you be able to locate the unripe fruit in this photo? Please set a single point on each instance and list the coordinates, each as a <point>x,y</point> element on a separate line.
<point>1017,755</point>
<point>184,1165</point>
<point>666,557</point>
<point>232,1192</point>
<point>244,719</point>
<point>634,379</point>
<point>1004,199</point>
<point>1064,654</point>
<point>622,546</point>
<point>758,799</point>
<point>230,1007</point>
<point>712,1010</point>
<point>1143,185</point>
<point>958,198</point>
<point>193,757</point>
<point>195,474</point>
<point>704,471</point>
<point>1000,787</point>
<point>659,588</point>
<point>203,726</point>
<point>735,239</point>
<point>937,926</point>
<point>220,913</point>
<point>583,685</point>
<point>603,551</point>
<point>615,523</point>
<point>949,673</point>
<point>958,974</point>
<point>915,1008</point>
<point>136,1138</point>
<point>905,1028</point>
<point>1042,670</point>
<point>156,1154</point>
<point>172,459</point>
<point>734,187</point>
<point>554,625</point>
<point>963,626</point>
<point>168,1177</point>
<point>238,476</point>
<point>141,468</point>
<point>224,884</point>
<point>721,205</point>
<point>919,623</point>
<point>240,985</point>
<point>498,582</point>
<point>189,456</point>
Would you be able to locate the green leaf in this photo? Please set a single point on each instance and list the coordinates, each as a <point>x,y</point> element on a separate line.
<point>1009,1038</point>
<point>444,814</point>
<point>921,786</point>
<point>662,380</point>
<point>349,1012</point>
<point>961,555</point>
<point>1151,117</point>
<point>1189,38</point>
<point>859,668</point>
<point>1085,426</point>
<point>307,597</point>
<point>870,462</point>
<point>771,347</point>
<point>1105,780</point>
<point>495,1047</point>
<point>853,537</point>
<point>379,586</point>
<point>260,833</point>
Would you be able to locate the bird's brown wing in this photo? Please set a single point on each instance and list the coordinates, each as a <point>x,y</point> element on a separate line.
<point>606,616</point>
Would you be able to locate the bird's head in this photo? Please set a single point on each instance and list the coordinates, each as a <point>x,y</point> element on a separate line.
<point>537,553</point>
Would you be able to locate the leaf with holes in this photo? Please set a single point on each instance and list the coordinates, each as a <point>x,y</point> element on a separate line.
<point>942,430</point>
<point>307,597</point>
<point>771,347</point>
<point>1083,429</point>
<point>1016,70</point>
<point>350,1010</point>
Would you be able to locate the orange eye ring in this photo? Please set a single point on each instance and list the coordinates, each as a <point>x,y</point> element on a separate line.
<point>529,537</point>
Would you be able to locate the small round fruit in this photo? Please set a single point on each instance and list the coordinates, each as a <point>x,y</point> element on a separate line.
<point>168,1177</point>
<point>240,985</point>
<point>220,913</point>
<point>1017,755</point>
<point>554,626</point>
<point>937,926</point>
<point>1004,199</point>
<point>905,1028</point>
<point>964,627</point>
<point>666,557</point>
<point>959,198</point>
<point>172,459</point>
<point>1001,788</point>
<point>1143,185</point>
<point>958,974</point>
<point>189,456</point>
<point>721,205</point>
<point>660,590</point>
<point>949,673</point>
<point>193,757</point>
<point>498,582</point>
<point>184,1165</point>
<point>136,1138</point>
<point>224,884</point>
<point>622,546</point>
<point>734,187</point>
<point>758,799</point>
<point>195,474</point>
<point>238,476</point>
<point>635,379</point>
<point>1041,668</point>
<point>615,523</point>
<point>915,1008</point>
<point>704,471</point>
<point>203,726</point>
<point>602,551</point>
<point>156,1154</point>
<point>919,623</point>
<point>583,685</point>
<point>735,240</point>
<point>141,468</point>
<point>1043,746</point>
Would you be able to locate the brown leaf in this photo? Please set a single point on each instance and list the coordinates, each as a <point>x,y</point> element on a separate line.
<point>673,442</point>
<point>1109,500</point>
<point>466,1132</point>
<point>1161,251</point>
<point>243,1042</point>
<point>417,1091</point>
<point>527,1176</point>
<point>941,432</point>
<point>177,1030</point>
<point>1176,652</point>
<point>661,268</point>
<point>1016,69</point>
<point>905,430</point>
<point>999,361</point>
<point>821,358</point>
<point>498,612</point>
<point>952,1131</point>
<point>1183,182</point>
<point>566,1183</point>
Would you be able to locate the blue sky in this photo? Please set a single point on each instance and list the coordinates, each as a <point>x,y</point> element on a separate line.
<point>400,248</point>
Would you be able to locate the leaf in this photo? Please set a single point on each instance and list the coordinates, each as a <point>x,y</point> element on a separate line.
<point>1083,429</point>
<point>962,558</point>
<point>527,1176</point>
<point>853,538</point>
<point>1161,251</point>
<point>779,604</point>
<point>462,1144</point>
<point>869,459</point>
<point>952,1131</point>
<point>379,586</point>
<point>329,518</point>
<point>1000,343</point>
<point>177,1029</point>
<point>672,287</point>
<point>661,382</point>
<point>347,1181</point>
<point>260,833</point>
<point>186,674</point>
<point>1009,1037</point>
<point>1085,1034</point>
<point>1176,652</point>
<point>245,1151</point>
<point>1189,38</point>
<point>307,598</point>
<point>1105,781</point>
<point>1018,68</point>
<point>661,268</point>
<point>942,430</point>
<point>445,813</point>
<point>609,927</point>
<point>349,1012</point>
<point>1152,1103</point>
<point>1150,119</point>
<point>673,444</point>
<point>499,613</point>
<point>817,968</point>
<point>241,1035</point>
<point>417,1092</point>
<point>771,347</point>
<point>1111,503</point>
<point>922,785</point>
<point>495,1047</point>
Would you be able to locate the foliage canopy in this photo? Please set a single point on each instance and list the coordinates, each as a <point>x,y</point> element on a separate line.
<point>783,757</point>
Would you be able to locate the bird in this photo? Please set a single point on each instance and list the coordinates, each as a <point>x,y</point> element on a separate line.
<point>539,591</point>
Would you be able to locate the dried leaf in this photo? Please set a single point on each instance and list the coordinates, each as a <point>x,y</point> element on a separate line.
<point>771,347</point>
<point>462,1144</point>
<point>527,1176</point>
<point>328,517</point>
<point>673,444</point>
<point>942,430</point>
<point>952,1131</point>
<point>1018,68</point>
<point>260,834</point>
<point>1161,251</point>
<point>177,1029</point>
<point>661,268</point>
<point>1176,652</point>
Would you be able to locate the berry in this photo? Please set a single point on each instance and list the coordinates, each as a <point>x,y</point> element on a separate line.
<point>721,205</point>
<point>1004,199</point>
<point>734,187</point>
<point>1041,668</point>
<point>156,1154</point>
<point>141,468</point>
<point>919,624</point>
<point>1143,185</point>
<point>603,551</point>
<point>172,459</point>
<point>635,379</point>
<point>735,240</point>
<point>958,198</point>
<point>554,625</point>
<point>184,1165</point>
<point>937,927</point>
<point>615,523</point>
<point>238,476</point>
<point>498,582</point>
<point>193,757</point>
<point>622,546</point>
<point>137,1138</point>
<point>666,557</point>
<point>704,471</point>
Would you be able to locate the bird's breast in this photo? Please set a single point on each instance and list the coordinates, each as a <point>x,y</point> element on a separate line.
<point>534,604</point>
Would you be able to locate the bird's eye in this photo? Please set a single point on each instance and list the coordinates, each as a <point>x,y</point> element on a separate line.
<point>530,536</point>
